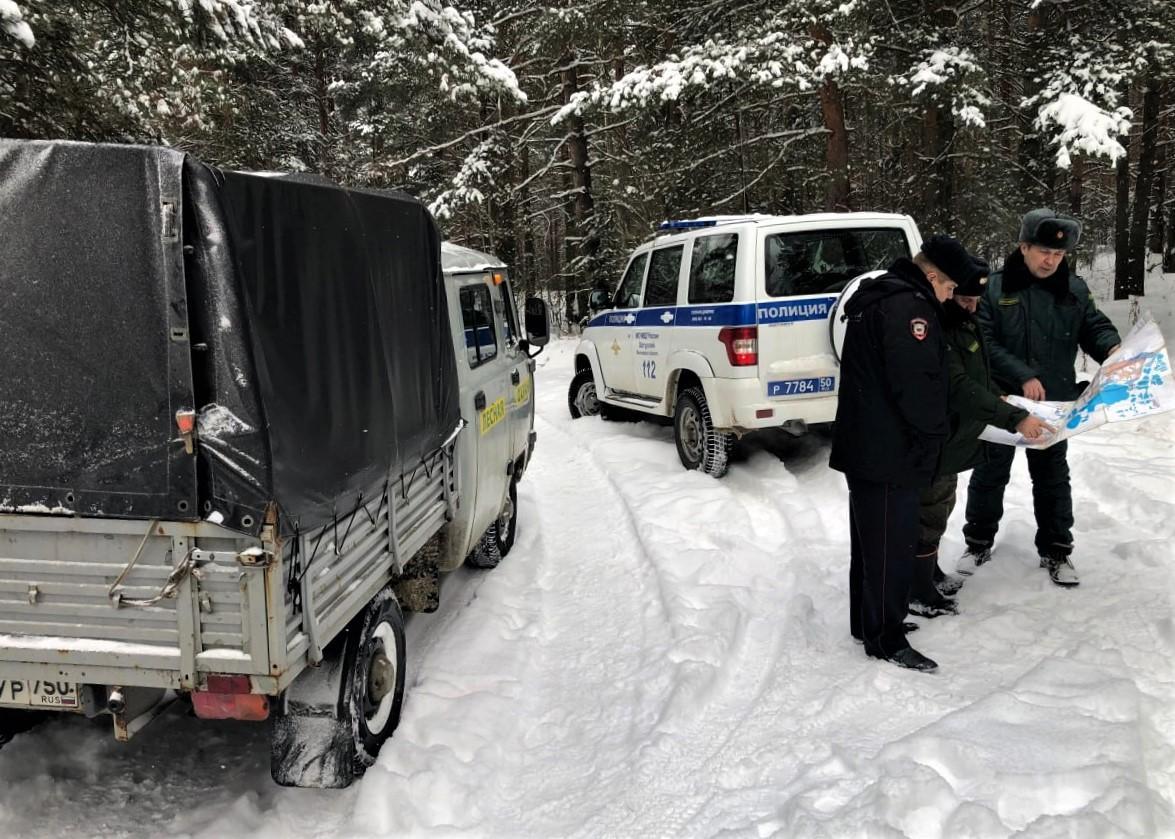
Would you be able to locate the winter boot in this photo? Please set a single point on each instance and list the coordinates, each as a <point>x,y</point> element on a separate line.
<point>911,659</point>
<point>1061,570</point>
<point>972,558</point>
<point>934,608</point>
<point>949,584</point>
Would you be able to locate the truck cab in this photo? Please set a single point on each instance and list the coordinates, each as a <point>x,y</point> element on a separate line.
<point>724,325</point>
<point>495,372</point>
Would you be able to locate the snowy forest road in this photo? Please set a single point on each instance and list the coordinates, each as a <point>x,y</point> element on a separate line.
<point>663,654</point>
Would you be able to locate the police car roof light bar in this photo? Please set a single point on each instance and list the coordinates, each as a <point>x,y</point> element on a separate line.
<point>686,224</point>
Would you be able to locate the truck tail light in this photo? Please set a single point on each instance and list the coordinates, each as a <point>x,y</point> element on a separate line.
<point>742,345</point>
<point>228,698</point>
<point>185,421</point>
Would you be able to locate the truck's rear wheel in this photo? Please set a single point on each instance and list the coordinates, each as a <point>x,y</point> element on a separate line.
<point>337,716</point>
<point>699,445</point>
<point>581,396</point>
<point>375,688</point>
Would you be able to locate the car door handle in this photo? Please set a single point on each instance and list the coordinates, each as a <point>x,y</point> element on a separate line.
<point>479,400</point>
<point>515,378</point>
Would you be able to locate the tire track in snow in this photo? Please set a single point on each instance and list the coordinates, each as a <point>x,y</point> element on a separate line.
<point>673,775</point>
<point>602,638</point>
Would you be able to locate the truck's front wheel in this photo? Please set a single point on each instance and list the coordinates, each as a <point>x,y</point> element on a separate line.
<point>699,445</point>
<point>499,538</point>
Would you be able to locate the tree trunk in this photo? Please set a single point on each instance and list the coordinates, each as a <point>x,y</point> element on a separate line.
<point>1122,227</point>
<point>322,97</point>
<point>836,150</point>
<point>939,184</point>
<point>1158,223</point>
<point>1136,265</point>
<point>1038,170</point>
<point>583,203</point>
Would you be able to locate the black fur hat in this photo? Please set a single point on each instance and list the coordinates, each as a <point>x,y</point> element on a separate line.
<point>950,257</point>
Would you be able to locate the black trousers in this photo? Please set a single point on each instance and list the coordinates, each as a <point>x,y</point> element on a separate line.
<point>1052,497</point>
<point>883,533</point>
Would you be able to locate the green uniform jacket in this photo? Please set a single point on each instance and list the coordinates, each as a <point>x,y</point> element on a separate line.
<point>972,400</point>
<point>1033,328</point>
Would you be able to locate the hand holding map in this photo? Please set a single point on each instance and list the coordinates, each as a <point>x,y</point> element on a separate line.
<point>1135,381</point>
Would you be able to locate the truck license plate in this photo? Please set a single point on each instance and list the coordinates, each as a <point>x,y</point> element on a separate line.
<point>39,694</point>
<point>799,387</point>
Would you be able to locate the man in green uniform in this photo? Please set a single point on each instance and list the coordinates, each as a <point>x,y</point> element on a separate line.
<point>974,403</point>
<point>1034,316</point>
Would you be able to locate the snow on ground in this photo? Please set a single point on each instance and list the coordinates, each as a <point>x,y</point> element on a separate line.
<point>664,654</point>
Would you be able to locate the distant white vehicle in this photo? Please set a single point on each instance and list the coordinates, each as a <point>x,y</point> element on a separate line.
<point>725,324</point>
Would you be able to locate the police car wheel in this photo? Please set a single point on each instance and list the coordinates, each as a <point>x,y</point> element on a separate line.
<point>699,445</point>
<point>581,396</point>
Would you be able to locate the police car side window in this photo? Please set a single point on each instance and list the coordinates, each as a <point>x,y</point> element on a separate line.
<point>476,315</point>
<point>711,271</point>
<point>628,295</point>
<point>661,289</point>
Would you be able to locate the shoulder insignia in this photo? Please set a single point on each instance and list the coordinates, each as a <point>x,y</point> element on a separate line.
<point>919,328</point>
<point>1009,301</point>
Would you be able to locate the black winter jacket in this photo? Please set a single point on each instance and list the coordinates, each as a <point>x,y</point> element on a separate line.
<point>1033,328</point>
<point>891,416</point>
<point>973,400</point>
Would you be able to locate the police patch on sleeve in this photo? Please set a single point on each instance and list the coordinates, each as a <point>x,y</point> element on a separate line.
<point>919,328</point>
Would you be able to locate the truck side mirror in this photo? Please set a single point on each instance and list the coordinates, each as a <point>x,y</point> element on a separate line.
<point>538,323</point>
<point>598,300</point>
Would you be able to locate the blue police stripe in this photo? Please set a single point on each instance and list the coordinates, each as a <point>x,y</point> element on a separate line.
<point>793,310</point>
<point>729,314</point>
<point>786,310</point>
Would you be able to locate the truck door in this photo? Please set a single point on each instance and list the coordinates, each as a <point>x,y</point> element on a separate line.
<point>614,343</point>
<point>653,334</point>
<point>521,375</point>
<point>485,402</point>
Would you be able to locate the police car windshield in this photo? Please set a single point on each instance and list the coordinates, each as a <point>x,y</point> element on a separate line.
<point>823,261</point>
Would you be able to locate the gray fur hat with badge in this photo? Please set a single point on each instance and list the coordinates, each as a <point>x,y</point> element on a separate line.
<point>1049,229</point>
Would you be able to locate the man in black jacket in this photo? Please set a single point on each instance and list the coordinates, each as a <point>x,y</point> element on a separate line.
<point>1034,315</point>
<point>973,402</point>
<point>891,420</point>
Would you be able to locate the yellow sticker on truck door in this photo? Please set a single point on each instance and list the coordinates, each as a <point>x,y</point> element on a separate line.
<point>493,414</point>
<point>522,392</point>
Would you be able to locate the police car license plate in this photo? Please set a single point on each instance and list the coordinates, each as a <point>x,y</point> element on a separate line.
<point>39,694</point>
<point>801,387</point>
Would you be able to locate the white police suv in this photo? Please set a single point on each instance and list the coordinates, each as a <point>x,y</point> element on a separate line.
<point>724,324</point>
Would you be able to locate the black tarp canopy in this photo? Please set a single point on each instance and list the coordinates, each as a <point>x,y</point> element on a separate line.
<point>305,323</point>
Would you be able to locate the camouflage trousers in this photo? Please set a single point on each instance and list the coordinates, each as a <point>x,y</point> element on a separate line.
<point>935,504</point>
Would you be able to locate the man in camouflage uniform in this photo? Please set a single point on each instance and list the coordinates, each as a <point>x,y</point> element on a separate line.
<point>973,403</point>
<point>1034,316</point>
